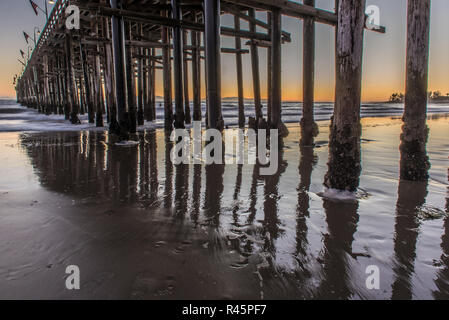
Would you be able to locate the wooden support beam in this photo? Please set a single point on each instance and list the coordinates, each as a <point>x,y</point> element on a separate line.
<point>46,89</point>
<point>223,50</point>
<point>185,67</point>
<point>177,67</point>
<point>269,73</point>
<point>71,86</point>
<point>169,22</point>
<point>237,13</point>
<point>153,85</point>
<point>213,63</point>
<point>168,107</point>
<point>59,86</point>
<point>118,48</point>
<point>98,77</point>
<point>239,66</point>
<point>308,126</point>
<point>196,73</point>
<point>276,86</point>
<point>414,160</point>
<point>296,10</point>
<point>109,76</point>
<point>146,83</point>
<point>255,71</point>
<point>290,8</point>
<point>140,81</point>
<point>144,44</point>
<point>99,106</point>
<point>131,84</point>
<point>344,142</point>
<point>87,89</point>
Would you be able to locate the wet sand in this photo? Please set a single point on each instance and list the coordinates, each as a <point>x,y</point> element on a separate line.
<point>141,228</point>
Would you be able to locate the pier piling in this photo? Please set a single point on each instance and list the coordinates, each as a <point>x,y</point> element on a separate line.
<point>344,142</point>
<point>414,160</point>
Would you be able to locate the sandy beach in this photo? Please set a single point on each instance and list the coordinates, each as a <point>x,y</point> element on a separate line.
<point>140,227</point>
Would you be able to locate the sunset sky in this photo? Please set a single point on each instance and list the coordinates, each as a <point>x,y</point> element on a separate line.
<point>384,54</point>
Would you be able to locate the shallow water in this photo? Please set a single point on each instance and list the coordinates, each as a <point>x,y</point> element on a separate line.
<point>14,117</point>
<point>141,228</point>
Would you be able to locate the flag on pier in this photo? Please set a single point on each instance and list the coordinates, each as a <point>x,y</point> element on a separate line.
<point>22,53</point>
<point>26,36</point>
<point>35,6</point>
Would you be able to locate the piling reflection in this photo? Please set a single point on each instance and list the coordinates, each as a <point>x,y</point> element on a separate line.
<point>213,193</point>
<point>342,219</point>
<point>196,193</point>
<point>307,161</point>
<point>154,182</point>
<point>271,223</point>
<point>411,196</point>
<point>442,280</point>
<point>181,189</point>
<point>144,172</point>
<point>270,229</point>
<point>168,190</point>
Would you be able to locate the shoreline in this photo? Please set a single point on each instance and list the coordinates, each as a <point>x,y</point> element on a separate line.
<point>22,119</point>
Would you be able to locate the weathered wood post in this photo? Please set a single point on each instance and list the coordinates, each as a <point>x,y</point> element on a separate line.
<point>71,86</point>
<point>177,66</point>
<point>269,72</point>
<point>255,70</point>
<point>145,84</point>
<point>276,86</point>
<point>153,85</point>
<point>118,49</point>
<point>59,85</point>
<point>109,76</point>
<point>308,126</point>
<point>196,73</point>
<point>345,131</point>
<point>131,83</point>
<point>238,62</point>
<point>64,89</point>
<point>82,96</point>
<point>140,81</point>
<point>86,81</point>
<point>168,106</point>
<point>98,83</point>
<point>149,113</point>
<point>45,91</point>
<point>414,159</point>
<point>213,63</point>
<point>185,67</point>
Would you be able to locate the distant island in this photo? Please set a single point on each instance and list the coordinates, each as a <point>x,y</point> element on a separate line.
<point>435,97</point>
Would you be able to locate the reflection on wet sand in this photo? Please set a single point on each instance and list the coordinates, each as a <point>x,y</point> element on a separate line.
<point>168,190</point>
<point>271,223</point>
<point>307,160</point>
<point>213,193</point>
<point>411,196</point>
<point>196,192</point>
<point>342,219</point>
<point>285,243</point>
<point>442,280</point>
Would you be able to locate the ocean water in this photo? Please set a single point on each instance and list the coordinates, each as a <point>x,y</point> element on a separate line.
<point>14,117</point>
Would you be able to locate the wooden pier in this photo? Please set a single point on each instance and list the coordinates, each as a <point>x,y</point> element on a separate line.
<point>109,66</point>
